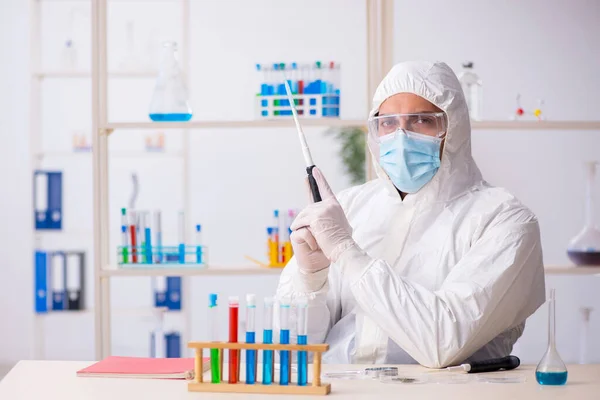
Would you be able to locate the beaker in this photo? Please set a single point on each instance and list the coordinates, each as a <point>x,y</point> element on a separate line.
<point>584,249</point>
<point>551,370</point>
<point>170,98</point>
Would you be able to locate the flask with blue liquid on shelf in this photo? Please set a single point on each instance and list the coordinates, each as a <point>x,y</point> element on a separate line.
<point>170,98</point>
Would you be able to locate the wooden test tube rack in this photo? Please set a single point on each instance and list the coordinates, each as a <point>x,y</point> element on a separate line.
<point>315,387</point>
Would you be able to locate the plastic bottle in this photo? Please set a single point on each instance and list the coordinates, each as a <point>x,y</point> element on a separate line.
<point>472,88</point>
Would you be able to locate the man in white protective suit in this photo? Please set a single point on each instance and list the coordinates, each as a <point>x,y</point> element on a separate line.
<point>427,263</point>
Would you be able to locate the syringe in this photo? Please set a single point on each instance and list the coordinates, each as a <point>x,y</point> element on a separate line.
<point>250,338</point>
<point>268,365</point>
<point>314,188</point>
<point>302,331</point>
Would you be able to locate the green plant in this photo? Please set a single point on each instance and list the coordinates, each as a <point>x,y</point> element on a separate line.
<point>352,151</point>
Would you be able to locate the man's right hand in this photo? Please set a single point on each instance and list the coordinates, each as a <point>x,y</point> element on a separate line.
<point>309,256</point>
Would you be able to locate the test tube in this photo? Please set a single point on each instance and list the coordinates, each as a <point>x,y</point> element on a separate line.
<point>233,338</point>
<point>181,237</point>
<point>268,339</point>
<point>250,338</point>
<point>148,237</point>
<point>124,239</point>
<point>284,338</point>
<point>199,244</point>
<point>277,224</point>
<point>213,320</point>
<point>293,78</point>
<point>140,234</point>
<point>158,233</point>
<point>133,233</point>
<point>302,330</point>
<point>271,246</point>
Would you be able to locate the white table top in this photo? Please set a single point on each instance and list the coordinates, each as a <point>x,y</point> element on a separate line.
<point>49,380</point>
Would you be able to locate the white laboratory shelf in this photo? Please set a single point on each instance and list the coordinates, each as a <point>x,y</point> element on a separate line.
<point>78,74</point>
<point>334,122</point>
<point>115,154</point>
<point>536,125</point>
<point>279,123</point>
<point>571,270</point>
<point>111,271</point>
<point>144,312</point>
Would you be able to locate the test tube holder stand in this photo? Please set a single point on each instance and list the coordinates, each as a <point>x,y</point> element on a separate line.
<point>313,388</point>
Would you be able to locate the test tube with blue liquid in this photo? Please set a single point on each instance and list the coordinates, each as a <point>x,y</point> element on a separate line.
<point>284,338</point>
<point>148,238</point>
<point>181,237</point>
<point>250,338</point>
<point>268,365</point>
<point>302,331</point>
<point>199,244</point>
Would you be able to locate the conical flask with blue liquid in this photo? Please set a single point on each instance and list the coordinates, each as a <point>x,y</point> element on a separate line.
<point>170,98</point>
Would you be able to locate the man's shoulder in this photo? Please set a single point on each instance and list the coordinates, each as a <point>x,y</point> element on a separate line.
<point>501,204</point>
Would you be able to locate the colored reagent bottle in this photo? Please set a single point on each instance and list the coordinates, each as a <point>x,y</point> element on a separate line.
<point>302,330</point>
<point>250,338</point>
<point>215,359</point>
<point>284,338</point>
<point>170,98</point>
<point>268,339</point>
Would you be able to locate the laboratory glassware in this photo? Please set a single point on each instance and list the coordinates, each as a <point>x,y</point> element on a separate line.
<point>233,338</point>
<point>584,249</point>
<point>473,89</point>
<point>268,339</point>
<point>250,338</point>
<point>551,370</point>
<point>302,338</point>
<point>284,338</point>
<point>170,98</point>
<point>215,354</point>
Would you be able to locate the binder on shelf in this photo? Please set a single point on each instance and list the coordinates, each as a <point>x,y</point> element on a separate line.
<point>174,293</point>
<point>173,344</point>
<point>47,200</point>
<point>160,291</point>
<point>75,280</point>
<point>41,282</point>
<point>58,277</point>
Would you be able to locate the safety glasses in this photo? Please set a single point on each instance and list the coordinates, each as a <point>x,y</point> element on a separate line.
<point>429,124</point>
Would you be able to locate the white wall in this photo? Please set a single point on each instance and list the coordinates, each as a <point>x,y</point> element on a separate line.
<point>516,47</point>
<point>16,303</point>
<point>541,49</point>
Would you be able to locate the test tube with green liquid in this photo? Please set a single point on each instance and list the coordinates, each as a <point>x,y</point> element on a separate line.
<point>215,359</point>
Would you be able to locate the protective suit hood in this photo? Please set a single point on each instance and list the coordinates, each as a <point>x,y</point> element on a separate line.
<point>436,83</point>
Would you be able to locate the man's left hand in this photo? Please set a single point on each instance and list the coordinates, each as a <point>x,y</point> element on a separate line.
<point>327,221</point>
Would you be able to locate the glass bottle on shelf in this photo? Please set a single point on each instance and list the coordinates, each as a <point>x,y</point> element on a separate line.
<point>551,370</point>
<point>473,89</point>
<point>170,98</point>
<point>584,249</point>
